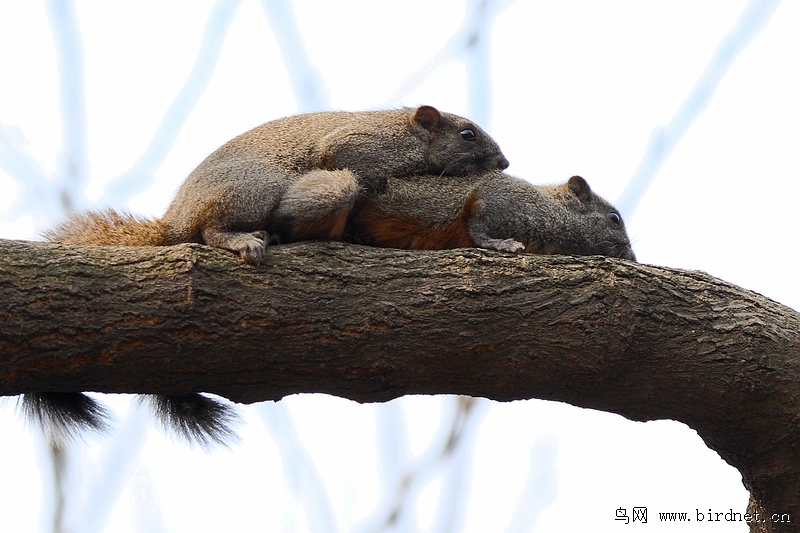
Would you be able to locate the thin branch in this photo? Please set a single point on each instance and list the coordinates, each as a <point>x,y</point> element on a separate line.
<point>307,84</point>
<point>457,455</point>
<point>107,479</point>
<point>396,510</point>
<point>477,54</point>
<point>472,44</point>
<point>394,456</point>
<point>142,174</point>
<point>664,139</point>
<point>74,170</point>
<point>540,486</point>
<point>449,451</point>
<point>299,471</point>
<point>37,191</point>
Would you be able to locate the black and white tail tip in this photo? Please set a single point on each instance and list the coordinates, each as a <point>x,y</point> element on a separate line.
<point>195,418</point>
<point>63,416</point>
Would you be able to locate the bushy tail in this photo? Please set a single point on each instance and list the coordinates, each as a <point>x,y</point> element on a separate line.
<point>108,228</point>
<point>196,418</point>
<point>62,416</point>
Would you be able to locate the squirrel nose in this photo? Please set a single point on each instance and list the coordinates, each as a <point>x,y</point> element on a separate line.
<point>502,162</point>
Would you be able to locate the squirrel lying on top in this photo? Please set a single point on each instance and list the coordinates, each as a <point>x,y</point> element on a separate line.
<point>291,179</point>
<point>305,171</point>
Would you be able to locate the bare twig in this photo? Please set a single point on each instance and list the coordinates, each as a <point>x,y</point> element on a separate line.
<point>299,471</point>
<point>141,175</point>
<point>306,81</point>
<point>664,138</point>
<point>74,170</point>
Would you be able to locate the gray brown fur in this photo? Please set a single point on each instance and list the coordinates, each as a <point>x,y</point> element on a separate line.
<point>291,168</point>
<point>97,228</point>
<point>495,211</point>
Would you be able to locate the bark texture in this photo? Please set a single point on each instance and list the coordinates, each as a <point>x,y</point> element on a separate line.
<point>373,324</point>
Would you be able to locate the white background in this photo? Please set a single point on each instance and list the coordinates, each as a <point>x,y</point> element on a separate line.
<point>577,87</point>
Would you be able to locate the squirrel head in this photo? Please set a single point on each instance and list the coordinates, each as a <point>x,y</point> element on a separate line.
<point>455,145</point>
<point>594,226</point>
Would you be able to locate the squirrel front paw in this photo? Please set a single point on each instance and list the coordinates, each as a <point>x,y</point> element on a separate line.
<point>502,245</point>
<point>251,246</point>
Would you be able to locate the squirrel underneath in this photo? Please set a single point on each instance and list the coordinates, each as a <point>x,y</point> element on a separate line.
<point>295,178</point>
<point>495,211</point>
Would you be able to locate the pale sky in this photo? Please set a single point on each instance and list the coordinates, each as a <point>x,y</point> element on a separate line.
<point>578,87</point>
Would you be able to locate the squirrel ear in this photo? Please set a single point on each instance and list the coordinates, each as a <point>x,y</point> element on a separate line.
<point>427,117</point>
<point>579,188</point>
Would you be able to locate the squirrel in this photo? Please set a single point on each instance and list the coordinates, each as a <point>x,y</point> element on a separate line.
<point>299,176</point>
<point>290,179</point>
<point>494,211</point>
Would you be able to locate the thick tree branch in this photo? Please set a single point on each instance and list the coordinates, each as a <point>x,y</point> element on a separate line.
<point>373,324</point>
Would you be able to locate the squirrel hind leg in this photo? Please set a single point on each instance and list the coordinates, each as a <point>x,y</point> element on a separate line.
<point>195,418</point>
<point>317,206</point>
<point>62,416</point>
<point>250,246</point>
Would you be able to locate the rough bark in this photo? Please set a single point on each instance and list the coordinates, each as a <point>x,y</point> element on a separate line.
<point>373,324</point>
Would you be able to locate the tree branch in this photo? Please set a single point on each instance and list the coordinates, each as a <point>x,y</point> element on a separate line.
<point>373,324</point>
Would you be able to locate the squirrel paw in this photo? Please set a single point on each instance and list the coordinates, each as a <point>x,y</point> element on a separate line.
<point>251,246</point>
<point>503,245</point>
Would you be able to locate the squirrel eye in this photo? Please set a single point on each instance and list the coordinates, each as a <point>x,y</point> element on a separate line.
<point>468,135</point>
<point>615,218</point>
